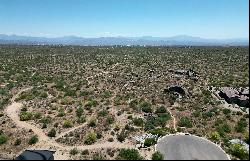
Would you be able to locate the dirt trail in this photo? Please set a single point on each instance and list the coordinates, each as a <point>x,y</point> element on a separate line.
<point>174,121</point>
<point>70,130</point>
<point>13,111</point>
<point>73,129</point>
<point>46,142</point>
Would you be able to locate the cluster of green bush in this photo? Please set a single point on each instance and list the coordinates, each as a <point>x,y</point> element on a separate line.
<point>52,133</point>
<point>241,125</point>
<point>159,131</point>
<point>185,122</point>
<point>138,122</point>
<point>91,103</point>
<point>122,136</point>
<point>149,141</point>
<point>145,106</point>
<point>79,111</point>
<point>3,139</point>
<point>238,151</point>
<point>32,95</point>
<point>91,138</point>
<point>25,116</point>
<point>129,154</point>
<point>106,94</point>
<point>67,124</point>
<point>157,156</point>
<point>159,119</point>
<point>33,140</point>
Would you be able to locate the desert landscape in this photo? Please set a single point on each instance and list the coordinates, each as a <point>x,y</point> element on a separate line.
<point>116,102</point>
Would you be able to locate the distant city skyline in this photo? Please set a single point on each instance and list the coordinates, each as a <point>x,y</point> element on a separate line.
<point>212,19</point>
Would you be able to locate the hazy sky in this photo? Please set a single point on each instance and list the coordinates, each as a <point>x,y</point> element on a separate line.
<point>94,18</point>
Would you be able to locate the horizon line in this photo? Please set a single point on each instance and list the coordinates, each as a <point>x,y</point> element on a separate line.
<point>121,36</point>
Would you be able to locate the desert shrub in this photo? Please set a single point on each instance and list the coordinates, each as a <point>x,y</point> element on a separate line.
<point>99,135</point>
<point>138,121</point>
<point>69,92</point>
<point>102,113</point>
<point>224,128</point>
<point>246,135</point>
<point>185,122</point>
<point>158,131</point>
<point>69,110</point>
<point>25,116</point>
<point>61,114</point>
<point>97,156</point>
<point>79,112</point>
<point>207,114</point>
<point>239,151</point>
<point>157,156</point>
<point>37,115</point>
<point>110,139</point>
<point>18,142</point>
<point>85,152</point>
<point>162,118</point>
<point>133,104</point>
<point>129,154</point>
<point>129,128</point>
<point>110,152</point>
<point>3,139</point>
<point>56,124</point>
<point>91,103</point>
<point>67,124</point>
<point>130,117</point>
<point>215,136</point>
<point>43,95</point>
<point>26,96</point>
<point>73,151</point>
<point>46,120</point>
<point>52,133</point>
<point>226,111</point>
<point>122,136</point>
<point>33,140</point>
<point>241,125</point>
<point>106,94</point>
<point>161,109</point>
<point>44,126</point>
<point>117,127</point>
<point>84,93</point>
<point>67,101</point>
<point>90,138</point>
<point>159,120</point>
<point>92,122</point>
<point>110,119</point>
<point>206,93</point>
<point>146,107</point>
<point>149,141</point>
<point>118,100</point>
<point>81,120</point>
<point>150,123</point>
<point>196,113</point>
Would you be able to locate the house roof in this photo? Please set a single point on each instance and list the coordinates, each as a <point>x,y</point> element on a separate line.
<point>36,155</point>
<point>231,92</point>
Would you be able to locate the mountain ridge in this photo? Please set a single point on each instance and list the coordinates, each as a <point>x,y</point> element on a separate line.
<point>121,40</point>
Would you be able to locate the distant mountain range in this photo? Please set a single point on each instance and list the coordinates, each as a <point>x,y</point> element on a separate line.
<point>145,40</point>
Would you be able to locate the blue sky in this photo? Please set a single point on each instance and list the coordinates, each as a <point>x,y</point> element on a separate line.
<point>94,18</point>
